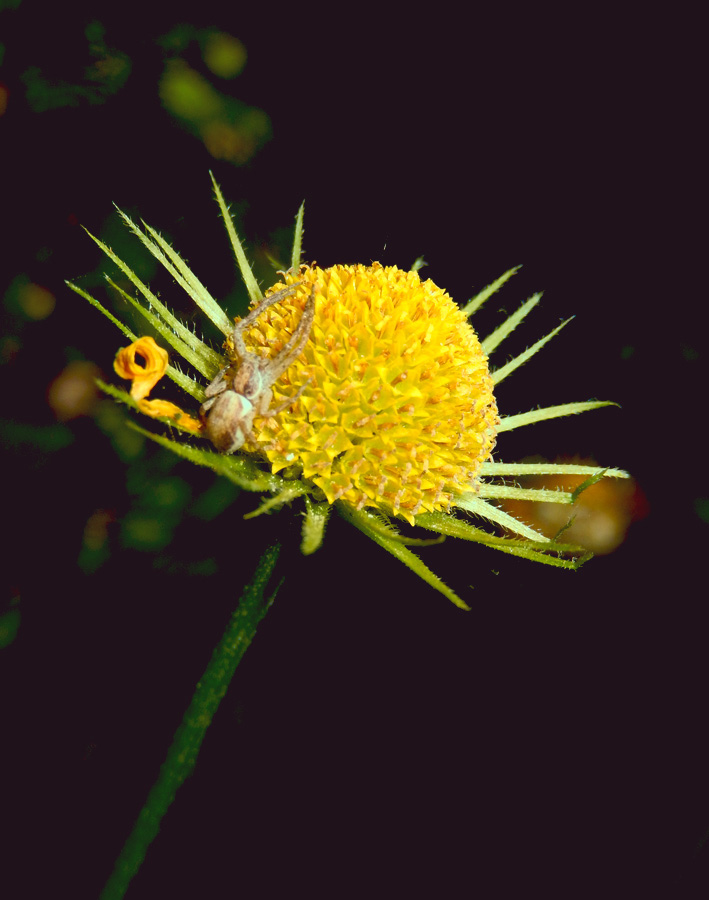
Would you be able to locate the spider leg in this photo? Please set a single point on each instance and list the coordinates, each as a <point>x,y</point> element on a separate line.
<point>217,385</point>
<point>292,350</point>
<point>286,403</point>
<point>255,313</point>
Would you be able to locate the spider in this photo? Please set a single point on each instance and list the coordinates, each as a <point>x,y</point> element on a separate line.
<point>242,389</point>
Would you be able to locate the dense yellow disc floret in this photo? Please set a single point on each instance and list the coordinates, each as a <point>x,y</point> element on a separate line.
<point>399,413</point>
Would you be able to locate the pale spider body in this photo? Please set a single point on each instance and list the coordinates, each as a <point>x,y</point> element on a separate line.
<point>242,390</point>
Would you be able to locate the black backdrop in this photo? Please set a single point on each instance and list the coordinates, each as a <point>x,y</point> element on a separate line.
<point>375,738</point>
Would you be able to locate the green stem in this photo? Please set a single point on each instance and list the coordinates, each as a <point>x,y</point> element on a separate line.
<point>182,755</point>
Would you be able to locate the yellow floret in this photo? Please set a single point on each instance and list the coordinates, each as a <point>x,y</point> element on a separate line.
<point>399,413</point>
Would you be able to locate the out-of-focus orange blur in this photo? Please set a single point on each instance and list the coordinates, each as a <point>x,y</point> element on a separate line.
<point>600,517</point>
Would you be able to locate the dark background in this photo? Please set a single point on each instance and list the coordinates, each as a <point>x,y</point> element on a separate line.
<point>375,739</point>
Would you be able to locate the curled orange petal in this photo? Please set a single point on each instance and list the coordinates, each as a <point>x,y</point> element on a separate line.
<point>144,377</point>
<point>163,409</point>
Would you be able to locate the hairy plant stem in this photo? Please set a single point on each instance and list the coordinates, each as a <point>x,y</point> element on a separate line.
<point>182,755</point>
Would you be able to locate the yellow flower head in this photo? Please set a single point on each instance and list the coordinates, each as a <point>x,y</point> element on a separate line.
<point>399,414</point>
<point>388,411</point>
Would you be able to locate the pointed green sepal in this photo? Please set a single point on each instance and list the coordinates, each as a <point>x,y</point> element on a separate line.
<point>500,374</point>
<point>247,274</point>
<point>499,470</point>
<point>492,341</point>
<point>314,521</point>
<point>594,479</point>
<point>474,504</point>
<point>536,495</point>
<point>550,553</point>
<point>184,276</point>
<point>509,423</point>
<point>363,521</point>
<point>298,238</point>
<point>474,304</point>
<point>290,492</point>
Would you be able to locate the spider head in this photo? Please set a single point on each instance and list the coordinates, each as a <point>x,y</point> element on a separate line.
<point>251,380</point>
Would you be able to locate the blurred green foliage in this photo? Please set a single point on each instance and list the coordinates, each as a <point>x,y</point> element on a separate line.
<point>69,87</point>
<point>9,626</point>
